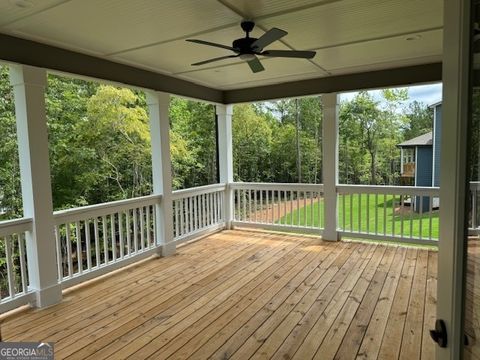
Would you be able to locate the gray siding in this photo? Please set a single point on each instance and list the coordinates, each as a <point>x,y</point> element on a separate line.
<point>423,176</point>
<point>424,166</point>
<point>437,134</point>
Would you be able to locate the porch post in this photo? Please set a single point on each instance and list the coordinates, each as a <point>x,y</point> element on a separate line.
<point>453,175</point>
<point>225,158</point>
<point>29,91</point>
<point>330,164</point>
<point>158,104</point>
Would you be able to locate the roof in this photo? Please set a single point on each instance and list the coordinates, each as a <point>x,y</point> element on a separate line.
<point>435,104</point>
<point>422,140</point>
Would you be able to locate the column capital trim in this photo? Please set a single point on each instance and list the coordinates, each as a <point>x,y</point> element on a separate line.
<point>157,98</point>
<point>221,109</point>
<point>27,75</point>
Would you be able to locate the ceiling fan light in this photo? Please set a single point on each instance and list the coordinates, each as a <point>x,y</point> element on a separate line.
<point>247,57</point>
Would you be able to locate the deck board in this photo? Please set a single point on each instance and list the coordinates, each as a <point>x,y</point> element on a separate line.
<point>244,294</point>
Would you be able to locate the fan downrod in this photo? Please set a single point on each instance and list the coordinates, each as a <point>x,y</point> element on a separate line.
<point>247,26</point>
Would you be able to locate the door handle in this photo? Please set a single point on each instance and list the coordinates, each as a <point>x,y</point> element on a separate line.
<point>439,334</point>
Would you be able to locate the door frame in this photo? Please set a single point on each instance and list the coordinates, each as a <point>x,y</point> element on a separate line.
<point>453,180</point>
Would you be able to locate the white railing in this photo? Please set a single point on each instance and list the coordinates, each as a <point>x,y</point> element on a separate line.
<point>474,214</point>
<point>14,290</point>
<point>96,239</point>
<point>295,207</point>
<point>198,210</point>
<point>398,213</point>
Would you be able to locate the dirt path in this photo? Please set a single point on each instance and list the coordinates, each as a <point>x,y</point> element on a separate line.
<point>278,210</point>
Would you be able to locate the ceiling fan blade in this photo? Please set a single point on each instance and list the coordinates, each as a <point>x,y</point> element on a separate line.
<point>203,42</point>
<point>289,54</point>
<point>255,65</point>
<point>215,59</point>
<point>269,37</point>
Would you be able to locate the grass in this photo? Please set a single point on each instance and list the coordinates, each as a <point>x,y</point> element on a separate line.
<point>364,213</point>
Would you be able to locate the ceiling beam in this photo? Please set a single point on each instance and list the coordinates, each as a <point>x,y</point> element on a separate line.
<point>49,57</point>
<point>340,83</point>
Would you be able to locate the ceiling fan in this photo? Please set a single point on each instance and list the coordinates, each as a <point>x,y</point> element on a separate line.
<point>248,48</point>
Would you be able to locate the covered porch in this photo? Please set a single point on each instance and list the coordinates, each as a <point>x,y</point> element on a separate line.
<point>232,269</point>
<point>248,294</point>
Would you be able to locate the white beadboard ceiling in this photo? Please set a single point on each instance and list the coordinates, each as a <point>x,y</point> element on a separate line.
<point>349,36</point>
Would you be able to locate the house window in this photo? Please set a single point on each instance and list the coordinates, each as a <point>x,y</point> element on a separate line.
<point>408,156</point>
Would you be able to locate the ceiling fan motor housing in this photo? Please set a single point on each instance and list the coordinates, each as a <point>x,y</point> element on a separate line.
<point>244,45</point>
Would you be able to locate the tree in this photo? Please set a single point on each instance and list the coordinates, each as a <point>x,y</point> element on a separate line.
<point>419,120</point>
<point>252,137</point>
<point>367,134</point>
<point>10,189</point>
<point>193,143</point>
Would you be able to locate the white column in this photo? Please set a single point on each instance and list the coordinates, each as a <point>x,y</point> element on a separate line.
<point>158,104</point>
<point>453,174</point>
<point>225,158</point>
<point>29,90</point>
<point>330,164</point>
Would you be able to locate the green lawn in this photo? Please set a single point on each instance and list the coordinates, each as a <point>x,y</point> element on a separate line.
<point>368,218</point>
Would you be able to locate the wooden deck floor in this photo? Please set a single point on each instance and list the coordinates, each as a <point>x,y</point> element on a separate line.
<point>249,295</point>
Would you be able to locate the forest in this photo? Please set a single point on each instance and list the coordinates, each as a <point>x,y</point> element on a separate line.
<point>99,141</point>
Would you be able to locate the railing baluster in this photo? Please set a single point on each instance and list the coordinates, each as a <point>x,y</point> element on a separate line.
<point>215,207</point>
<point>114,238</point>
<point>384,214</point>
<point>261,206</point>
<point>142,229</point>
<point>305,206</point>
<point>59,253</point>
<point>69,249</point>
<point>120,234</point>
<point>127,228</point>
<point>298,208</point>
<point>393,215</point>
<point>78,235</point>
<point>368,213</point>
<point>344,211</point>
<point>23,264</point>
<point>191,217</point>
<point>351,212</point>
<point>402,207</point>
<point>97,243</point>
<point>291,206</point>
<point>10,268</point>
<point>250,218</point>
<point>149,234</point>
<point>87,244</point>
<point>411,218</point>
<point>176,217</point>
<point>360,213</point>
<point>210,209</point>
<point>376,214</point>
<point>420,230</point>
<point>430,216</point>
<point>105,240</point>
<point>311,209</point>
<point>135,230</point>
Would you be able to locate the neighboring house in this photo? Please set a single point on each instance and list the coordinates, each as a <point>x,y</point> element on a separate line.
<point>420,157</point>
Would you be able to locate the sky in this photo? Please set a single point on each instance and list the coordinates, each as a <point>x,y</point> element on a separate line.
<point>428,94</point>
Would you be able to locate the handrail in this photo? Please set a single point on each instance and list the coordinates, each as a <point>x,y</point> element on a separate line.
<point>206,189</point>
<point>67,215</point>
<point>474,185</point>
<point>15,226</point>
<point>391,190</point>
<point>276,186</point>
